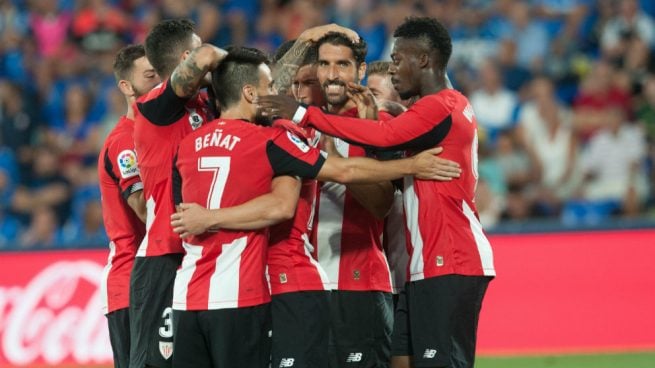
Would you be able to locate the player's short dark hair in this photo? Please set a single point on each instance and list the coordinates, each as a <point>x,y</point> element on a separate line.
<point>124,62</point>
<point>359,49</point>
<point>430,30</point>
<point>310,57</point>
<point>240,67</point>
<point>378,67</point>
<point>166,42</point>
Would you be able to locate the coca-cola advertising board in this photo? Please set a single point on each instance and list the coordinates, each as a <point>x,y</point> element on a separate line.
<point>554,293</point>
<point>50,309</point>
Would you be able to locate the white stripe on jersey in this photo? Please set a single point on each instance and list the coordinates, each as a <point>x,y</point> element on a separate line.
<point>150,218</point>
<point>411,212</point>
<point>224,282</point>
<point>325,280</point>
<point>328,229</point>
<point>104,293</point>
<point>192,254</point>
<point>484,248</point>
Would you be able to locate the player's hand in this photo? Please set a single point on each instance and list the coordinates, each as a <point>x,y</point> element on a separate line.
<point>428,166</point>
<point>191,219</point>
<point>316,33</point>
<point>367,107</point>
<point>327,144</point>
<point>282,106</point>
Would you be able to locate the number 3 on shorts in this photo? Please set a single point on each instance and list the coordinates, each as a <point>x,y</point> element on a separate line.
<point>166,331</point>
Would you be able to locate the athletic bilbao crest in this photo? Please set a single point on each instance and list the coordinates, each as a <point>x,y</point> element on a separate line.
<point>166,349</point>
<point>194,119</point>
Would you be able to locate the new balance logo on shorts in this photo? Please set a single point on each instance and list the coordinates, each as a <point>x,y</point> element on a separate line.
<point>286,362</point>
<point>354,358</point>
<point>429,353</point>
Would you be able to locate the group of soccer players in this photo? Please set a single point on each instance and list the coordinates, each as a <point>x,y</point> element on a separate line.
<point>262,212</point>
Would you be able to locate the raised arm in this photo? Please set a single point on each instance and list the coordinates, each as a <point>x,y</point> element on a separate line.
<point>287,66</point>
<point>188,76</point>
<point>266,210</point>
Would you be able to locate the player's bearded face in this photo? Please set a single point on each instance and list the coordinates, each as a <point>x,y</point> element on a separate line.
<point>335,92</point>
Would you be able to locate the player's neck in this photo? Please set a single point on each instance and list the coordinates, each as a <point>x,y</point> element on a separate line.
<point>130,111</point>
<point>235,112</point>
<point>340,109</point>
<point>432,86</point>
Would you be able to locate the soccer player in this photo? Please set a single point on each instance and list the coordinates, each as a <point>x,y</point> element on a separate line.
<point>349,223</point>
<point>163,117</point>
<point>123,207</point>
<point>451,260</point>
<point>221,294</point>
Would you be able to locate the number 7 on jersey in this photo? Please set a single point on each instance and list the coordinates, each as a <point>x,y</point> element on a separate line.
<point>220,166</point>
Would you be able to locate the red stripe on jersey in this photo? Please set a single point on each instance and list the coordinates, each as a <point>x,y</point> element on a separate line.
<point>156,146</point>
<point>223,164</point>
<point>123,227</point>
<point>348,236</point>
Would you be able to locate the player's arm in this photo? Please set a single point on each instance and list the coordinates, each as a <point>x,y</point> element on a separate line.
<point>266,210</point>
<point>137,202</point>
<point>168,106</point>
<point>287,66</point>
<point>376,198</point>
<point>424,165</point>
<point>424,125</point>
<point>290,155</point>
<point>188,77</point>
<point>120,163</point>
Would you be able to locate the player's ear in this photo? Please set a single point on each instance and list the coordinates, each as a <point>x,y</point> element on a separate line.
<point>249,92</point>
<point>126,88</point>
<point>361,71</point>
<point>423,60</point>
<point>185,55</point>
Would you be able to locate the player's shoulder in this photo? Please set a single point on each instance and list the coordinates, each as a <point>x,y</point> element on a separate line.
<point>153,93</point>
<point>121,135</point>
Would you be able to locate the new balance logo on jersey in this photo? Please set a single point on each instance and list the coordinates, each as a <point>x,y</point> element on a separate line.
<point>286,362</point>
<point>354,358</point>
<point>429,353</point>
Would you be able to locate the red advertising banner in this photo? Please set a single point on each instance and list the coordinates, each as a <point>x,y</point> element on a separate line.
<point>565,292</point>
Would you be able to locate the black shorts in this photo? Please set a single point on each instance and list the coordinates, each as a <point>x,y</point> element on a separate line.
<point>360,329</point>
<point>224,338</point>
<point>436,320</point>
<point>151,315</point>
<point>301,324</point>
<point>119,336</point>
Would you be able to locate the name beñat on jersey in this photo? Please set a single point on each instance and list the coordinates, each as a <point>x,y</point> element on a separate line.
<point>216,139</point>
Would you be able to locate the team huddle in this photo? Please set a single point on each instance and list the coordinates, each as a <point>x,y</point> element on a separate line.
<point>271,211</point>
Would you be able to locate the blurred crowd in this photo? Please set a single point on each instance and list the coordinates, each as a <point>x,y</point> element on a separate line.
<point>564,92</point>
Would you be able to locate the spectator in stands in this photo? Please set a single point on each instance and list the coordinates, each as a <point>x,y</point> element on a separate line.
<point>515,166</point>
<point>44,186</point>
<point>494,105</point>
<point>513,74</point>
<point>18,122</point>
<point>97,25</point>
<point>613,165</point>
<point>546,132</point>
<point>598,93</point>
<point>49,25</point>
<point>43,232</point>
<point>630,22</point>
<point>529,34</point>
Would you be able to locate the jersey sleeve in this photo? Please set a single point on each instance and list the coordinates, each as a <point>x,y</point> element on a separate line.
<point>423,126</point>
<point>122,166</point>
<point>289,154</point>
<point>164,108</point>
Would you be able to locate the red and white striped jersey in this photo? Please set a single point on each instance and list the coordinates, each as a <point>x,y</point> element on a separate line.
<point>223,164</point>
<point>118,177</point>
<point>395,243</point>
<point>443,229</point>
<point>162,120</point>
<point>292,264</point>
<point>348,236</point>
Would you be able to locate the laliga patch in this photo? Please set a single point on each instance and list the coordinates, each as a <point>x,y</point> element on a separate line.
<point>127,164</point>
<point>302,146</point>
<point>166,349</point>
